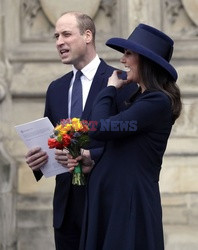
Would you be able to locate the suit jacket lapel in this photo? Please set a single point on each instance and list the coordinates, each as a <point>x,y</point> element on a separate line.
<point>68,79</point>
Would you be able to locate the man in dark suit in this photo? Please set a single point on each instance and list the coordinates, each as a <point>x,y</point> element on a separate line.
<point>75,42</point>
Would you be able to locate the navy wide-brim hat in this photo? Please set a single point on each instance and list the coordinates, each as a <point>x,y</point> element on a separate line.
<point>149,42</point>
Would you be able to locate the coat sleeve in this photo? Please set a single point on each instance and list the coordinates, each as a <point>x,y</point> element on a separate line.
<point>143,115</point>
<point>96,153</point>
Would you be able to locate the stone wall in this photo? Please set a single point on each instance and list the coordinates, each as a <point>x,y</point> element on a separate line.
<point>29,62</point>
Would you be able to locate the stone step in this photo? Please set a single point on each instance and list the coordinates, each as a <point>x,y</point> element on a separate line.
<point>181,237</point>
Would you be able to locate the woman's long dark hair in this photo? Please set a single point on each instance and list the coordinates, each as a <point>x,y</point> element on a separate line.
<point>155,78</point>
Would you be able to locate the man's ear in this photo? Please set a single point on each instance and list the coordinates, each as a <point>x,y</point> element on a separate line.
<point>88,36</point>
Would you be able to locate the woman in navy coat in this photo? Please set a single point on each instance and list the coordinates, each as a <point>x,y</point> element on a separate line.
<point>123,209</point>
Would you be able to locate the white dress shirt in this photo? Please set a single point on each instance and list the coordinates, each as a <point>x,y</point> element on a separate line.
<point>89,72</point>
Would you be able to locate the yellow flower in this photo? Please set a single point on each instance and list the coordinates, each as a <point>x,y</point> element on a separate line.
<point>65,129</point>
<point>74,120</point>
<point>77,126</point>
<point>58,127</point>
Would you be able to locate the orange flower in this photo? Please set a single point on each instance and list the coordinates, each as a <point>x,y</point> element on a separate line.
<point>73,135</point>
<point>85,128</point>
<point>66,140</point>
<point>53,143</point>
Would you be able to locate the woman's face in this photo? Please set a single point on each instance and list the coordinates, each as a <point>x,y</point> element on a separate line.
<point>131,62</point>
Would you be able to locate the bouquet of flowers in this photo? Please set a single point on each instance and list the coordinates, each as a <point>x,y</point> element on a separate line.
<point>71,134</point>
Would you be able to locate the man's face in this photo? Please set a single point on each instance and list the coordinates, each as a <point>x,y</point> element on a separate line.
<point>70,44</point>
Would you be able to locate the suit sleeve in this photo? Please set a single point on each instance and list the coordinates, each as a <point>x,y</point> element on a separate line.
<point>38,174</point>
<point>145,112</point>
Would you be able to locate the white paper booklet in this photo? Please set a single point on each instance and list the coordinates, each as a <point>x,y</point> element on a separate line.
<point>36,134</point>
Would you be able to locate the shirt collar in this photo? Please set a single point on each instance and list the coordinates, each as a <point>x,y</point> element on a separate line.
<point>90,69</point>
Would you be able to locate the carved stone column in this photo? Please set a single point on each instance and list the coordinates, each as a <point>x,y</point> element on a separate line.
<point>7,166</point>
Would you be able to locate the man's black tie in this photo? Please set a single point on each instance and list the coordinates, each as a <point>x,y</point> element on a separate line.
<point>76,100</point>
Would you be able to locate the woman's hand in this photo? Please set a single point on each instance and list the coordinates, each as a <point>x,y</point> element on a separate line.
<point>87,162</point>
<point>115,81</point>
